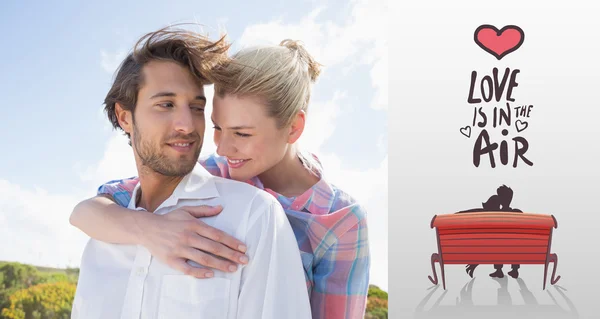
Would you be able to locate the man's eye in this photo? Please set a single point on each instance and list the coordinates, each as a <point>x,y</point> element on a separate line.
<point>167,104</point>
<point>198,108</point>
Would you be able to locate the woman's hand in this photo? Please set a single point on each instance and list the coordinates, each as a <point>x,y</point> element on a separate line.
<point>178,236</point>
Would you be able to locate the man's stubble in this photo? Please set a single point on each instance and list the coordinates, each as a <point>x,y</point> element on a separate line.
<point>152,158</point>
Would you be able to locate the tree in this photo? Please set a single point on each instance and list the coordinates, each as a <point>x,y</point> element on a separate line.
<point>376,292</point>
<point>377,303</point>
<point>15,275</point>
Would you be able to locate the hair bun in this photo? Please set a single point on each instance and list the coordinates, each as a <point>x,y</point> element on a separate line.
<point>314,68</point>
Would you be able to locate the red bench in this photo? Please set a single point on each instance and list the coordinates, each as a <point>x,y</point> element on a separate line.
<point>494,238</point>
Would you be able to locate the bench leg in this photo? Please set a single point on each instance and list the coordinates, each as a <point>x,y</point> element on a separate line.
<point>436,258</point>
<point>552,258</point>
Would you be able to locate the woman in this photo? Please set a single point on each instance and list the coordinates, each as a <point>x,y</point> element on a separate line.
<point>258,116</point>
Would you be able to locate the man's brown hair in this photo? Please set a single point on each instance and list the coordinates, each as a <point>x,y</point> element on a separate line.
<point>191,50</point>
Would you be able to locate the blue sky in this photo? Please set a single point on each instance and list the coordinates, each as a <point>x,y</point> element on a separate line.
<point>56,67</point>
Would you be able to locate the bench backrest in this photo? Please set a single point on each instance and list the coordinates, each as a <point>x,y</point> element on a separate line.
<point>494,237</point>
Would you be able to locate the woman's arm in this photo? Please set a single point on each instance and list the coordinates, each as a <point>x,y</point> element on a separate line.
<point>100,218</point>
<point>168,237</point>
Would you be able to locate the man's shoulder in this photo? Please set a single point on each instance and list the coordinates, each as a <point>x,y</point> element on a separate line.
<point>259,205</point>
<point>236,190</point>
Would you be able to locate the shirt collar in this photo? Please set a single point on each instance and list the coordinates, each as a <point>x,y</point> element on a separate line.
<point>198,184</point>
<point>318,200</point>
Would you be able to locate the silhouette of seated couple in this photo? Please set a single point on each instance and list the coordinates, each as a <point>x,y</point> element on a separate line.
<point>500,202</point>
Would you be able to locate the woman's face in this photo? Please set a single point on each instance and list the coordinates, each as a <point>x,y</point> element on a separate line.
<point>247,136</point>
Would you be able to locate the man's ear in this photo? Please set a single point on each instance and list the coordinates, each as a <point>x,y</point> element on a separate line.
<point>124,117</point>
<point>297,127</point>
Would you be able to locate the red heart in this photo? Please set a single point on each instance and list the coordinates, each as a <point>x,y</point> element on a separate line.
<point>499,42</point>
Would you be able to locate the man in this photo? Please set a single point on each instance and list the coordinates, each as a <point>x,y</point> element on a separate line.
<point>158,100</point>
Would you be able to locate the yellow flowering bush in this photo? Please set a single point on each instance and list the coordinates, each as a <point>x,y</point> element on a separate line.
<point>43,301</point>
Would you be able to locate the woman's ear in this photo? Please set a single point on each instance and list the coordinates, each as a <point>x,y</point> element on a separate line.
<point>297,127</point>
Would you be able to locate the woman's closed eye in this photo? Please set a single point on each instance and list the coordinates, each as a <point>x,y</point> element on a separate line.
<point>242,134</point>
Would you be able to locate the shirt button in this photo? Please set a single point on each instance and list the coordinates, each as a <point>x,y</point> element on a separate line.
<point>141,271</point>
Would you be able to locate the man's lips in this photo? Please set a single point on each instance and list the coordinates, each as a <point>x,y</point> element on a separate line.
<point>182,146</point>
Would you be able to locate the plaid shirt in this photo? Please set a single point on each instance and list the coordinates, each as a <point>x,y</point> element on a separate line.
<point>331,230</point>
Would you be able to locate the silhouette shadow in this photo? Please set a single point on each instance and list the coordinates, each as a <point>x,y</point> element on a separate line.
<point>466,309</point>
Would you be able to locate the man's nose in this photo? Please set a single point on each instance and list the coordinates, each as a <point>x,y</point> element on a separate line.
<point>184,121</point>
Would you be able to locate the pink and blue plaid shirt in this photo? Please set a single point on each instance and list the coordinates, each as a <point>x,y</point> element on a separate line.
<point>331,230</point>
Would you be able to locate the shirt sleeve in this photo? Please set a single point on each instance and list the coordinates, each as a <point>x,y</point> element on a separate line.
<point>273,283</point>
<point>341,276</point>
<point>120,190</point>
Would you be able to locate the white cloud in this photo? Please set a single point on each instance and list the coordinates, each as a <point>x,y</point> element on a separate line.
<point>370,24</point>
<point>327,42</point>
<point>111,61</point>
<point>117,162</point>
<point>319,122</point>
<point>36,227</point>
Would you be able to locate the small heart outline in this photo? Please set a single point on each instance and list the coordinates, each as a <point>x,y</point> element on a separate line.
<point>521,125</point>
<point>466,129</point>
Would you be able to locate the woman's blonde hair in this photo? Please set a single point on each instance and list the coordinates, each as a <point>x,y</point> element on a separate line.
<point>280,76</point>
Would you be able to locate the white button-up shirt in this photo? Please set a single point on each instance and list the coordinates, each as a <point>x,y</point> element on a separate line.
<point>125,281</point>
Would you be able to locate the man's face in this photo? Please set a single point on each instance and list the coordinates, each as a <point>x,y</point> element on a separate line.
<point>168,121</point>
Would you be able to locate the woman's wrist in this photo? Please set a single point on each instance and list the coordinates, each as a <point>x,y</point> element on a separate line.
<point>143,223</point>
